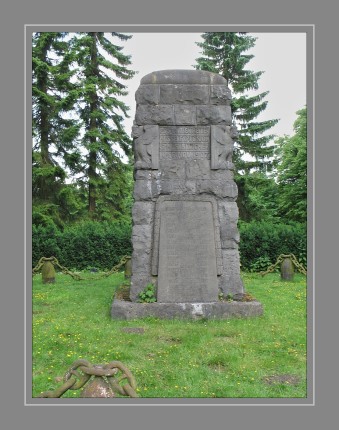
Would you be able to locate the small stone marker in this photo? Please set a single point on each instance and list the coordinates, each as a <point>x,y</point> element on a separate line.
<point>48,273</point>
<point>287,270</point>
<point>185,236</point>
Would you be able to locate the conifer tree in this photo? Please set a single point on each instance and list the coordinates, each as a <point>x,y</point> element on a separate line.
<point>101,70</point>
<point>225,54</point>
<point>54,132</point>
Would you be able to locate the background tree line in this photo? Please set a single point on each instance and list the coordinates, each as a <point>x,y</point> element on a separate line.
<point>80,147</point>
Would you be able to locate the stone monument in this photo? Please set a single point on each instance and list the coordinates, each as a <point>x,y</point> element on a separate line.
<point>185,237</point>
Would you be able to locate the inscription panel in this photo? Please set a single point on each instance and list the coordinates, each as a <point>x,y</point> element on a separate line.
<point>189,142</point>
<point>187,255</point>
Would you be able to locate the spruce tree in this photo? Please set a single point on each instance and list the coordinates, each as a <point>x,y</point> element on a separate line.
<point>225,54</point>
<point>54,132</point>
<point>101,70</point>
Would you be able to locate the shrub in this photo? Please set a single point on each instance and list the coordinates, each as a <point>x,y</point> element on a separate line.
<point>84,245</point>
<point>263,242</point>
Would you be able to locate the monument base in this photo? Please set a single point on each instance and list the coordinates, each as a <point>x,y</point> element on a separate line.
<point>124,310</point>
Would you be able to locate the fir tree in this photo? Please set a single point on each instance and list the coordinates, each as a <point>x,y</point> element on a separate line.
<point>101,70</point>
<point>225,54</point>
<point>54,133</point>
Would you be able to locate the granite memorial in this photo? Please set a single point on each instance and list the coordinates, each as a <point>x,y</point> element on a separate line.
<point>185,237</point>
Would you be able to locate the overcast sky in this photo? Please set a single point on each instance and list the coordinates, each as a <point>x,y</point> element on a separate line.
<point>282,56</point>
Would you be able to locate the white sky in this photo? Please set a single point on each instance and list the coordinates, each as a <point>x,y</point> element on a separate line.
<point>282,56</point>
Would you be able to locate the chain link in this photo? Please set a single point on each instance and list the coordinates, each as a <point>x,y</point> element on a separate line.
<point>82,371</point>
<point>75,276</point>
<point>280,259</point>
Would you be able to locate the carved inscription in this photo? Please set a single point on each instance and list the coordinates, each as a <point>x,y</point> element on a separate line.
<point>189,142</point>
<point>187,257</point>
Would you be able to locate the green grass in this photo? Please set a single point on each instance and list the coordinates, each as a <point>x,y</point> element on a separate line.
<point>173,358</point>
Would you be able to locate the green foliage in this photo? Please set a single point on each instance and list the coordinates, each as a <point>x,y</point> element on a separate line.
<point>263,242</point>
<point>225,53</point>
<point>292,171</point>
<point>77,83</point>
<point>148,295</point>
<point>83,245</point>
<point>260,264</point>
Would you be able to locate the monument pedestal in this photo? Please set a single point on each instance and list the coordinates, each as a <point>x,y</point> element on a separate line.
<point>214,310</point>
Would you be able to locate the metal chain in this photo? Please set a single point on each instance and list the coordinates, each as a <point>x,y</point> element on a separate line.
<point>75,276</point>
<point>280,259</point>
<point>81,372</point>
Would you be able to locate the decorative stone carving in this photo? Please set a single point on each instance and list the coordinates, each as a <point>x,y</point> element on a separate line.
<point>146,147</point>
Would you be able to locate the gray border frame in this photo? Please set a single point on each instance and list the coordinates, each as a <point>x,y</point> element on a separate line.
<point>309,30</point>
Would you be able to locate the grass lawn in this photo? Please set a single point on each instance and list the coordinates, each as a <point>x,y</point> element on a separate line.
<point>260,357</point>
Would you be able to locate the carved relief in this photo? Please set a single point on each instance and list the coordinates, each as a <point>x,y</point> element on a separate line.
<point>146,146</point>
<point>222,144</point>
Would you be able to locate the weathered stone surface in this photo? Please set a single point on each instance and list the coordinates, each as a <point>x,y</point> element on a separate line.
<point>218,188</point>
<point>48,273</point>
<point>160,115</point>
<point>185,115</point>
<point>139,281</point>
<point>214,115</point>
<point>142,237</point>
<point>141,261</point>
<point>184,94</point>
<point>143,213</point>
<point>183,77</point>
<point>220,95</point>
<point>184,143</point>
<point>148,94</point>
<point>215,310</point>
<point>173,169</point>
<point>201,169</point>
<point>146,147</point>
<point>187,259</point>
<point>230,281</point>
<point>221,146</point>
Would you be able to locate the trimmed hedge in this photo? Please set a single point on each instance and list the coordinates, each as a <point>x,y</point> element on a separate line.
<point>103,244</point>
<point>83,246</point>
<point>261,243</point>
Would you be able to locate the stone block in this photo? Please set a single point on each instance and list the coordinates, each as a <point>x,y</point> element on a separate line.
<point>214,115</point>
<point>143,213</point>
<point>173,169</point>
<point>230,281</point>
<point>148,94</point>
<point>141,261</point>
<point>185,115</point>
<point>139,281</point>
<point>160,115</point>
<point>220,95</point>
<point>146,147</point>
<point>187,252</point>
<point>142,237</point>
<point>142,190</point>
<point>173,94</point>
<point>183,77</point>
<point>218,188</point>
<point>221,147</point>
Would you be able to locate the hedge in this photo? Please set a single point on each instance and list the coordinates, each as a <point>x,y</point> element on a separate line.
<point>82,246</point>
<point>261,243</point>
<point>102,244</point>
